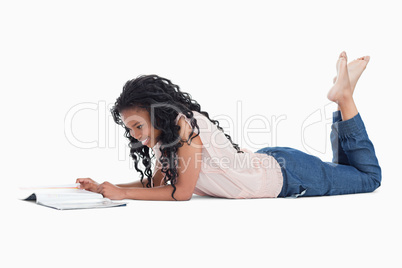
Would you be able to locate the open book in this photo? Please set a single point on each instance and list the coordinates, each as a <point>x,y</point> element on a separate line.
<point>69,197</point>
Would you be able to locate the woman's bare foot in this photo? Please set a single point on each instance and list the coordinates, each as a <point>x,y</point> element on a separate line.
<point>355,70</point>
<point>341,92</point>
<point>342,87</point>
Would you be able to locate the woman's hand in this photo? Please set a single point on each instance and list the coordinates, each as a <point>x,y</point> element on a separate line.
<point>88,184</point>
<point>111,191</point>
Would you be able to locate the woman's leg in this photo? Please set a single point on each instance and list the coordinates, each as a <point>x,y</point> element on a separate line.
<point>363,173</point>
<point>353,138</point>
<point>355,69</point>
<point>339,156</point>
<point>360,172</point>
<point>307,175</point>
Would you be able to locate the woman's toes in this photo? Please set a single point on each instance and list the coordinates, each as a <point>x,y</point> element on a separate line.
<point>342,63</point>
<point>365,58</point>
<point>343,55</point>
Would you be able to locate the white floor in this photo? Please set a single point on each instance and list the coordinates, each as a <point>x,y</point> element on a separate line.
<point>340,231</point>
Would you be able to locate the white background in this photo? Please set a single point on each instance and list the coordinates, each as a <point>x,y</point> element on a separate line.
<point>275,59</point>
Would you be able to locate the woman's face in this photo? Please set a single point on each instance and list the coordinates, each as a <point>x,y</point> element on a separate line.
<point>139,123</point>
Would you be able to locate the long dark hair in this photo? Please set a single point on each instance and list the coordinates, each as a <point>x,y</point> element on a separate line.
<point>166,100</point>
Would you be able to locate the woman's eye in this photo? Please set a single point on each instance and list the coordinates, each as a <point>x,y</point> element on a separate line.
<point>139,127</point>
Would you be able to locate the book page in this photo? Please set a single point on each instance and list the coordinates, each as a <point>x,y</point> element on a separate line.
<point>68,197</point>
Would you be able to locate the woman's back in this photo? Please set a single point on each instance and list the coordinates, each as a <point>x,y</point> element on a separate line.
<point>227,173</point>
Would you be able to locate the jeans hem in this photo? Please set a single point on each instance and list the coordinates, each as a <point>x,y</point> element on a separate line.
<point>350,127</point>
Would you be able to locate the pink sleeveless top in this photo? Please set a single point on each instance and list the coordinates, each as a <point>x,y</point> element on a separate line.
<point>226,173</point>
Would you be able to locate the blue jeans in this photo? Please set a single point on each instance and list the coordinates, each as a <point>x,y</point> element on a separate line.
<point>354,168</point>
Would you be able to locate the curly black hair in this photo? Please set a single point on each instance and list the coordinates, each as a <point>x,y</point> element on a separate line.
<point>163,100</point>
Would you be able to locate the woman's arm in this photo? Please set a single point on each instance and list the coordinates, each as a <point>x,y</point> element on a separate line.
<point>156,177</point>
<point>91,185</point>
<point>161,193</point>
<point>136,184</point>
<point>189,165</point>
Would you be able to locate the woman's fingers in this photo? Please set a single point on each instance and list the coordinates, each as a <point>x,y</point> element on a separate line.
<point>102,187</point>
<point>99,189</point>
<point>83,180</point>
<point>87,184</point>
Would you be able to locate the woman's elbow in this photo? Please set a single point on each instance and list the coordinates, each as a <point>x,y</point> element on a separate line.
<point>183,196</point>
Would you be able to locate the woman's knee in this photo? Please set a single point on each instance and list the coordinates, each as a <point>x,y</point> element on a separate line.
<point>376,179</point>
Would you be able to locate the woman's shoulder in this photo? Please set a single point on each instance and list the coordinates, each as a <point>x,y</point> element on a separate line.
<point>185,125</point>
<point>195,114</point>
<point>201,119</point>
